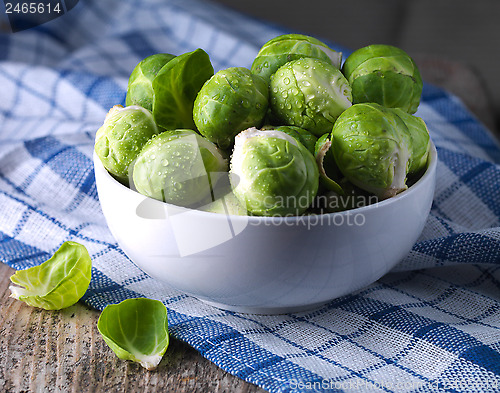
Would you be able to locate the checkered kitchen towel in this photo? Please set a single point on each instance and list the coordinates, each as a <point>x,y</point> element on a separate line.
<point>431,325</point>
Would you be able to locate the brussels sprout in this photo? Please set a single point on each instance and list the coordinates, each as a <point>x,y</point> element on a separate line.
<point>272,174</point>
<point>309,93</point>
<point>58,282</point>
<point>136,329</point>
<point>176,86</point>
<point>176,166</point>
<point>329,174</point>
<point>385,75</point>
<point>373,148</point>
<point>140,83</point>
<point>229,102</point>
<point>288,47</point>
<point>299,134</point>
<point>121,138</point>
<point>420,141</point>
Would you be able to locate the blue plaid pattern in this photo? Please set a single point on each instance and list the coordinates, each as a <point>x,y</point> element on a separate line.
<point>433,324</point>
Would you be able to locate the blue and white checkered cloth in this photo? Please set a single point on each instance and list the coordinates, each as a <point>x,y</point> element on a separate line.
<point>431,325</point>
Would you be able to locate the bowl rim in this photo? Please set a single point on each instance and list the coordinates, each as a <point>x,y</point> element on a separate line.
<point>431,168</point>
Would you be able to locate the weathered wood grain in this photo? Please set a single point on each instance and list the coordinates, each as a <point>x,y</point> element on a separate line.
<point>62,351</point>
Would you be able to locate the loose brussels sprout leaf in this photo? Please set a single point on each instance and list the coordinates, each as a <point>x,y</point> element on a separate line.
<point>229,102</point>
<point>272,174</point>
<point>136,329</point>
<point>58,282</point>
<point>420,141</point>
<point>372,148</point>
<point>176,86</point>
<point>326,161</point>
<point>176,167</point>
<point>140,83</point>
<point>385,75</point>
<point>299,134</point>
<point>309,93</point>
<point>122,136</point>
<point>288,47</point>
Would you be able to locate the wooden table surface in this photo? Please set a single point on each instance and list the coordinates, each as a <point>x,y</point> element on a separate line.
<point>62,351</point>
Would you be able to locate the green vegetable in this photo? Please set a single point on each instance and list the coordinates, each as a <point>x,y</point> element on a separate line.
<point>140,83</point>
<point>176,86</point>
<point>299,134</point>
<point>329,174</point>
<point>178,167</point>
<point>58,282</point>
<point>385,75</point>
<point>375,149</point>
<point>136,329</point>
<point>309,93</point>
<point>229,102</point>
<point>288,47</point>
<point>119,140</point>
<point>420,141</point>
<point>272,174</point>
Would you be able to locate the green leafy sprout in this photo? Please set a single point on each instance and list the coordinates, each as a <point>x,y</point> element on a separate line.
<point>385,75</point>
<point>140,84</point>
<point>177,166</point>
<point>284,48</point>
<point>120,139</point>
<point>309,93</point>
<point>273,174</point>
<point>376,150</point>
<point>137,330</point>
<point>58,282</point>
<point>176,86</point>
<point>231,101</point>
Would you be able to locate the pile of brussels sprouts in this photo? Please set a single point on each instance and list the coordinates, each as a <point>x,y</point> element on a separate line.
<point>295,134</point>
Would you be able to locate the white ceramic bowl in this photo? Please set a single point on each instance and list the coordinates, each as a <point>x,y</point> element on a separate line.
<point>265,265</point>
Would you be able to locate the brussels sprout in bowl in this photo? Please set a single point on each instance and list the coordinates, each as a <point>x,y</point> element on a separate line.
<point>265,264</point>
<point>177,166</point>
<point>229,102</point>
<point>284,48</point>
<point>376,148</point>
<point>386,75</point>
<point>140,84</point>
<point>272,173</point>
<point>309,93</point>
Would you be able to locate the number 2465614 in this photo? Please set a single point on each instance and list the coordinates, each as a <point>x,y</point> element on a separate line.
<point>32,8</point>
